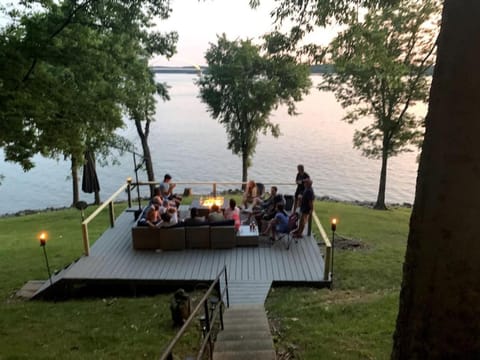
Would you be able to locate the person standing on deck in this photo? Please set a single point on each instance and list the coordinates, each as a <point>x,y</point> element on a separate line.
<point>306,208</point>
<point>299,180</point>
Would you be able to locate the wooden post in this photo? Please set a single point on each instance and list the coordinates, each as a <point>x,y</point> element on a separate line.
<point>328,262</point>
<point>309,229</point>
<point>112,214</point>
<point>86,242</point>
<point>129,192</point>
<point>214,189</point>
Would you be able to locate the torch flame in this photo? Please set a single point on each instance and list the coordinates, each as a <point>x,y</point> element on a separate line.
<point>43,238</point>
<point>334,221</point>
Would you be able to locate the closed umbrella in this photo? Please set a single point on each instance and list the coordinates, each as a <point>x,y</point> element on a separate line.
<point>90,182</point>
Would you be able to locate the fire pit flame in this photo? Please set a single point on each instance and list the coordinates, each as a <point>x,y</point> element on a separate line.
<point>208,202</point>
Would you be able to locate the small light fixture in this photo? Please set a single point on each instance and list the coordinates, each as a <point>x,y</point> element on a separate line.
<point>333,223</point>
<point>43,242</point>
<point>43,238</point>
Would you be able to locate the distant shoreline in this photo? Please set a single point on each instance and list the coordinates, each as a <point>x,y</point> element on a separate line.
<point>315,69</point>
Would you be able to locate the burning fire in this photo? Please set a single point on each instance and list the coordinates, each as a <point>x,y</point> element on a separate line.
<point>208,202</point>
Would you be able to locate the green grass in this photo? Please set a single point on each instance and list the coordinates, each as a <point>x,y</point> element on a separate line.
<point>353,321</point>
<point>356,319</point>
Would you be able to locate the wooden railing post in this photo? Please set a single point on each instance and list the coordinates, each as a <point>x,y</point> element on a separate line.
<point>111,209</point>
<point>86,242</point>
<point>328,248</point>
<point>129,192</point>
<point>214,189</point>
<point>309,228</point>
<point>328,262</point>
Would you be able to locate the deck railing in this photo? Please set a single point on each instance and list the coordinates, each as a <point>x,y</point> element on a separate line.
<point>110,203</point>
<point>208,319</point>
<point>328,248</point>
<point>128,188</point>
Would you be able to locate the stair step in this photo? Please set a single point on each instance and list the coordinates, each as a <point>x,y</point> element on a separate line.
<point>245,327</point>
<point>246,355</point>
<point>243,335</point>
<point>244,345</point>
<point>249,320</point>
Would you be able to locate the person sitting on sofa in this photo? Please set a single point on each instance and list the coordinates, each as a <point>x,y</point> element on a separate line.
<point>233,213</point>
<point>153,212</point>
<point>215,214</point>
<point>194,219</point>
<point>166,190</point>
<point>250,195</point>
<point>279,224</point>
<point>168,219</point>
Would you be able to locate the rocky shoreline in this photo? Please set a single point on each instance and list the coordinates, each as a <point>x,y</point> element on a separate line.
<point>324,198</point>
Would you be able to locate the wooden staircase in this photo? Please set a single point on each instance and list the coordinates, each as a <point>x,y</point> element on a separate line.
<point>246,336</point>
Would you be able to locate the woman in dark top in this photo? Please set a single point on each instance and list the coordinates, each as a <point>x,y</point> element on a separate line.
<point>300,180</point>
<point>306,208</point>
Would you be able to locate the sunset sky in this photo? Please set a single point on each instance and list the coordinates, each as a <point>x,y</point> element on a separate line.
<point>198,23</point>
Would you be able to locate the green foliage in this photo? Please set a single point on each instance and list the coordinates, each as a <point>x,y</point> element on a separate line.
<point>242,86</point>
<point>381,65</point>
<point>380,71</point>
<point>65,72</point>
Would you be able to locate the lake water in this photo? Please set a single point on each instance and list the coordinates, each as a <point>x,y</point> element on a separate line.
<point>191,146</point>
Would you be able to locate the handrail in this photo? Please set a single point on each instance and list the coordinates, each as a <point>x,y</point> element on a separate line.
<point>109,203</point>
<point>328,247</point>
<point>215,183</point>
<point>167,354</point>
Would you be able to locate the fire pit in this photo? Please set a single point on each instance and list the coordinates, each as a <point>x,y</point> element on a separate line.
<point>209,201</point>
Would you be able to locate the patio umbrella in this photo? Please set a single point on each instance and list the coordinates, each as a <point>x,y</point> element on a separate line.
<point>90,182</point>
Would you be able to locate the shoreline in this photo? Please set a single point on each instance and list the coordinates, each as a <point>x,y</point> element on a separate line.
<point>323,198</point>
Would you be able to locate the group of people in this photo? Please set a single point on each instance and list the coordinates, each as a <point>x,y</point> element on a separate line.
<point>273,210</point>
<point>232,212</point>
<point>163,211</point>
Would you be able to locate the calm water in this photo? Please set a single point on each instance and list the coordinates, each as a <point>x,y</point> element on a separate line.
<point>189,145</point>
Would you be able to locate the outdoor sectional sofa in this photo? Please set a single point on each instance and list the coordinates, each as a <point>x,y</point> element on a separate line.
<point>219,235</point>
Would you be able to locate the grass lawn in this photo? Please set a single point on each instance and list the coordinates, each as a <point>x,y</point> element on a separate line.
<point>355,320</point>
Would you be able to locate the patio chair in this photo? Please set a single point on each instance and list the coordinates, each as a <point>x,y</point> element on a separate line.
<point>292,225</point>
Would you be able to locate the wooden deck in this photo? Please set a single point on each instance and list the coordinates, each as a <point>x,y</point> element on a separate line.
<point>113,259</point>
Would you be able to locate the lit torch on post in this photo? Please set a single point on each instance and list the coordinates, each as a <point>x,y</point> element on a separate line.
<point>43,242</point>
<point>333,224</point>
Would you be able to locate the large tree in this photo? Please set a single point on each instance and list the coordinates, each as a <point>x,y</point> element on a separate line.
<point>381,65</point>
<point>242,86</point>
<point>66,76</point>
<point>140,105</point>
<point>440,298</point>
<point>440,301</point>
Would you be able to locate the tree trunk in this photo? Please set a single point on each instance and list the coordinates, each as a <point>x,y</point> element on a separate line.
<point>97,197</point>
<point>244,169</point>
<point>380,204</point>
<point>440,298</point>
<point>74,171</point>
<point>146,153</point>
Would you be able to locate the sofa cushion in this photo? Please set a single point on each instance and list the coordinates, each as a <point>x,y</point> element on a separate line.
<point>197,237</point>
<point>223,223</point>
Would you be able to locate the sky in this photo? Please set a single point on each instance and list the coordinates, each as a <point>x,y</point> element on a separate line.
<point>199,21</point>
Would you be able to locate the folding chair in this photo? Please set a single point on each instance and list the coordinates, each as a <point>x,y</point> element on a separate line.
<point>292,225</point>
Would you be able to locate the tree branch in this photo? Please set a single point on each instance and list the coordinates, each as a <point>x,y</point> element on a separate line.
<point>62,26</point>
